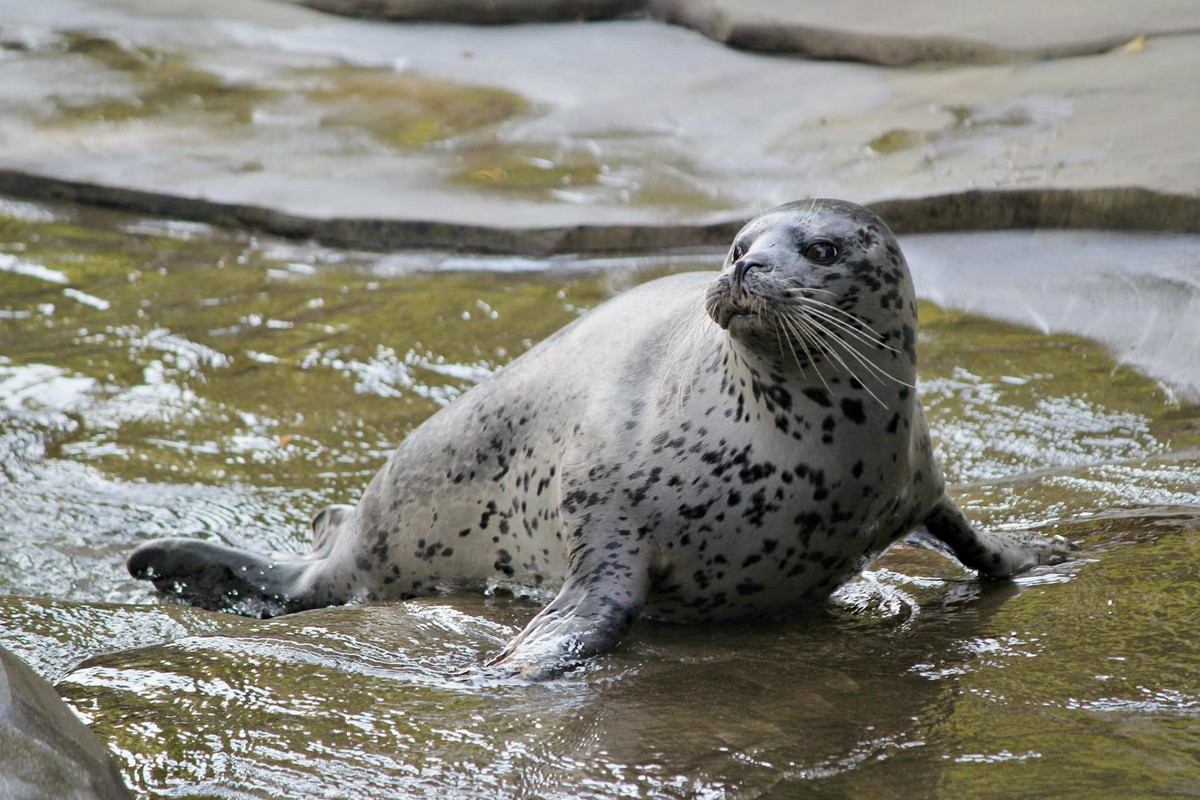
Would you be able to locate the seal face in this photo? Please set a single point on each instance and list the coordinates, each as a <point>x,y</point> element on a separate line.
<point>700,448</point>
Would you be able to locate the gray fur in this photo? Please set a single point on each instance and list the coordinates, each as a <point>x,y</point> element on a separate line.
<point>652,458</point>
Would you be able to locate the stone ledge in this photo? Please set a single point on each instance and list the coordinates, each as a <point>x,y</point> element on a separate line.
<point>1112,208</point>
<point>479,12</point>
<point>929,31</point>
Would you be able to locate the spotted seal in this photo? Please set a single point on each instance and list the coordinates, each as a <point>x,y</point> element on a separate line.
<point>699,448</point>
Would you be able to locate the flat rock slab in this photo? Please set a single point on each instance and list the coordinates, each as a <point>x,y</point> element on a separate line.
<point>306,116</point>
<point>974,31</point>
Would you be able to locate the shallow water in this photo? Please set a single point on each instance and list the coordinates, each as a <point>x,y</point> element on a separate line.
<point>163,378</point>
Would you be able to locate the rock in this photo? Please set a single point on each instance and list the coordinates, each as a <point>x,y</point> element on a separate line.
<point>945,31</point>
<point>976,32</point>
<point>517,147</point>
<point>479,12</point>
<point>45,751</point>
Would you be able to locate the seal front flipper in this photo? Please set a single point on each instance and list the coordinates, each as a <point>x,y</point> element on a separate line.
<point>994,555</point>
<point>223,578</point>
<point>604,593</point>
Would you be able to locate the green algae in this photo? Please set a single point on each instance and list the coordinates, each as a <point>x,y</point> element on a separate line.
<point>964,120</point>
<point>525,170</point>
<point>403,110</point>
<point>396,109</point>
<point>532,176</point>
<point>163,84</point>
<point>538,172</point>
<point>663,192</point>
<point>965,116</point>
<point>895,140</point>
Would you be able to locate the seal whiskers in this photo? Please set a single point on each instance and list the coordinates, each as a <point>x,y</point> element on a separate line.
<point>684,352</point>
<point>802,333</point>
<point>810,306</point>
<point>826,339</point>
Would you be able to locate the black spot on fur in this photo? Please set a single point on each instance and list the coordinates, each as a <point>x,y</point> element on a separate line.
<point>853,410</point>
<point>818,396</point>
<point>486,517</point>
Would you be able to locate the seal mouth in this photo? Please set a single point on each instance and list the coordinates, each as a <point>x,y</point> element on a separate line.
<point>734,308</point>
<point>729,318</point>
<point>728,312</point>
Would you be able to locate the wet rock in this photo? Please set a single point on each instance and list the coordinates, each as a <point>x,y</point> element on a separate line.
<point>499,139</point>
<point>479,12</point>
<point>1132,293</point>
<point>860,30</point>
<point>379,234</point>
<point>45,751</point>
<point>931,30</point>
<point>1115,208</point>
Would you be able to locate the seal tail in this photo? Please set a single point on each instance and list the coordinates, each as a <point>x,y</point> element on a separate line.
<point>223,578</point>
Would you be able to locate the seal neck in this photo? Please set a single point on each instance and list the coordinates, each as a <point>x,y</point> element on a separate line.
<point>874,373</point>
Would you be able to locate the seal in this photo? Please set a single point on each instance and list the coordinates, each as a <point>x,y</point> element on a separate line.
<point>700,448</point>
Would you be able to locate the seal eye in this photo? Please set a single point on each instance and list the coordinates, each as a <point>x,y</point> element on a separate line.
<point>821,251</point>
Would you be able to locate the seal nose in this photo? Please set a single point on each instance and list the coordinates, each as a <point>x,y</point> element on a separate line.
<point>741,267</point>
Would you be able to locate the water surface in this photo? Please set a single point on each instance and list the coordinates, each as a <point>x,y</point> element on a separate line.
<point>162,378</point>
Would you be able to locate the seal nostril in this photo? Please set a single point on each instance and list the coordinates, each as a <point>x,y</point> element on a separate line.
<point>741,267</point>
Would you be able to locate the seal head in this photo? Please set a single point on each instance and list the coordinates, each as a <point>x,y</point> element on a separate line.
<point>820,283</point>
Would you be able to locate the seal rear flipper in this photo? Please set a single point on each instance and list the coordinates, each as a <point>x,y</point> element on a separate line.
<point>222,578</point>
